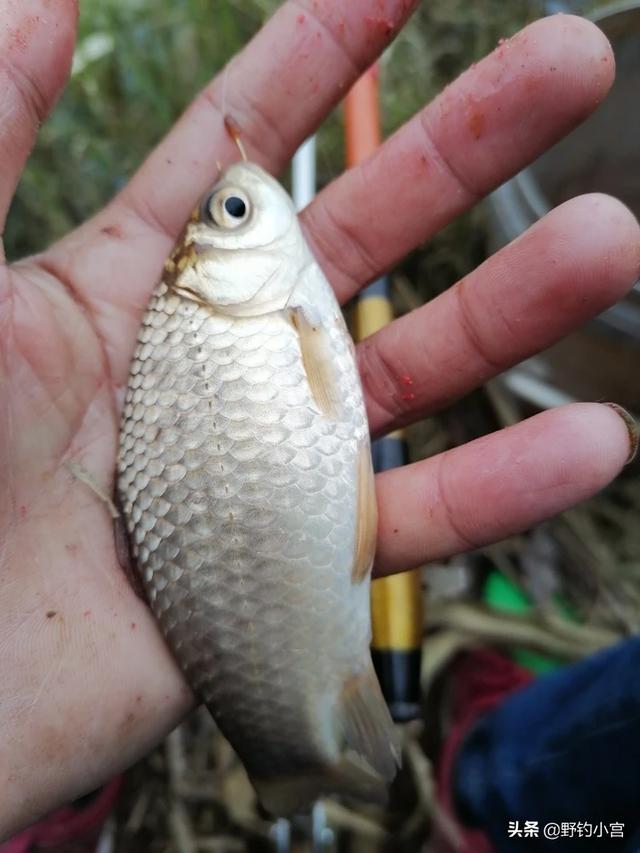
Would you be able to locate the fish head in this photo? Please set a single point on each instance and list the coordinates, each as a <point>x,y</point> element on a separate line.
<point>243,251</point>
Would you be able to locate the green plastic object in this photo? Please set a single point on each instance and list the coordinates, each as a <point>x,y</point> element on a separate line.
<point>504,595</point>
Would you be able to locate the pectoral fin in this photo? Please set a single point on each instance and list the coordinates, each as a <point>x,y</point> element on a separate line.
<point>366,516</point>
<point>316,359</point>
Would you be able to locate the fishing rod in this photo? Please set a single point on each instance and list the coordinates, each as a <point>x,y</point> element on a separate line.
<point>396,601</point>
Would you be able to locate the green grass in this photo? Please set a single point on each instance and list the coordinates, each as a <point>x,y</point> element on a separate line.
<point>152,56</point>
<point>139,62</point>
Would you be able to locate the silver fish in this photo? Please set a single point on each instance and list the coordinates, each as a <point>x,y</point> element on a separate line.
<point>245,479</point>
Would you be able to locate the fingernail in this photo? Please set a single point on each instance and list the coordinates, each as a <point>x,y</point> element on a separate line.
<point>632,428</point>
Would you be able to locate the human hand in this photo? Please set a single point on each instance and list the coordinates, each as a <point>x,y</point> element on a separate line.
<point>87,683</point>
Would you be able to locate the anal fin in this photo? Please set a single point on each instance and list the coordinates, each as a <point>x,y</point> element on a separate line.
<point>368,759</point>
<point>366,725</point>
<point>366,516</point>
<point>284,797</point>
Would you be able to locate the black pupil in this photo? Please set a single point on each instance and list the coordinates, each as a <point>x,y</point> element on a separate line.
<point>235,207</point>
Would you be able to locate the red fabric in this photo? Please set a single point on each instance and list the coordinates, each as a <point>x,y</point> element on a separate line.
<point>479,680</point>
<point>70,829</point>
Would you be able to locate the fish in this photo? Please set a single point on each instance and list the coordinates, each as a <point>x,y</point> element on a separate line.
<point>246,485</point>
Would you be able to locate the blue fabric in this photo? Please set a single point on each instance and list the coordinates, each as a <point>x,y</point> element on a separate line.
<point>564,748</point>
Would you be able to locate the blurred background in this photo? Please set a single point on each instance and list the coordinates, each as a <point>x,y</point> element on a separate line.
<point>546,597</point>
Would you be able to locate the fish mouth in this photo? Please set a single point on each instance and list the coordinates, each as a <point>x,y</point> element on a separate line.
<point>187,293</point>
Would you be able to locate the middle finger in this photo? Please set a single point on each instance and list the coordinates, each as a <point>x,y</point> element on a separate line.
<point>578,260</point>
<point>493,120</point>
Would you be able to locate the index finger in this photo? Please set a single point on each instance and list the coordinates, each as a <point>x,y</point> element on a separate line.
<point>278,89</point>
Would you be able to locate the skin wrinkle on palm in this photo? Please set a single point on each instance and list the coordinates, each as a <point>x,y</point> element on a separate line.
<point>68,330</point>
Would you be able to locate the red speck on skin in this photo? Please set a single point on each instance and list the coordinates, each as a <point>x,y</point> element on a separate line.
<point>381,24</point>
<point>113,231</point>
<point>395,529</point>
<point>71,548</point>
<point>341,26</point>
<point>408,396</point>
<point>23,511</point>
<point>20,37</point>
<point>315,88</point>
<point>133,626</point>
<point>604,59</point>
<point>87,613</point>
<point>532,84</point>
<point>300,19</point>
<point>406,379</point>
<point>476,123</point>
<point>138,698</point>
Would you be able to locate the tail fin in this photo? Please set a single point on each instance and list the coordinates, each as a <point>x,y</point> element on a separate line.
<point>368,762</point>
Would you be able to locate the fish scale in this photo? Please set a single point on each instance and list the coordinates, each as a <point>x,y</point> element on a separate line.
<point>240,496</point>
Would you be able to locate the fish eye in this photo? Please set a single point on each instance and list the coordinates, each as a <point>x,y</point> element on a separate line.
<point>235,206</point>
<point>227,208</point>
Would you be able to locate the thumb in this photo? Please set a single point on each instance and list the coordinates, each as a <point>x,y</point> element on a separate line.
<point>36,46</point>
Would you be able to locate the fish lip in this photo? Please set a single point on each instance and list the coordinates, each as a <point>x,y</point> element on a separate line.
<point>187,293</point>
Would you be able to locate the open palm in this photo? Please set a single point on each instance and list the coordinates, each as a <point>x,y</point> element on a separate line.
<point>86,683</point>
